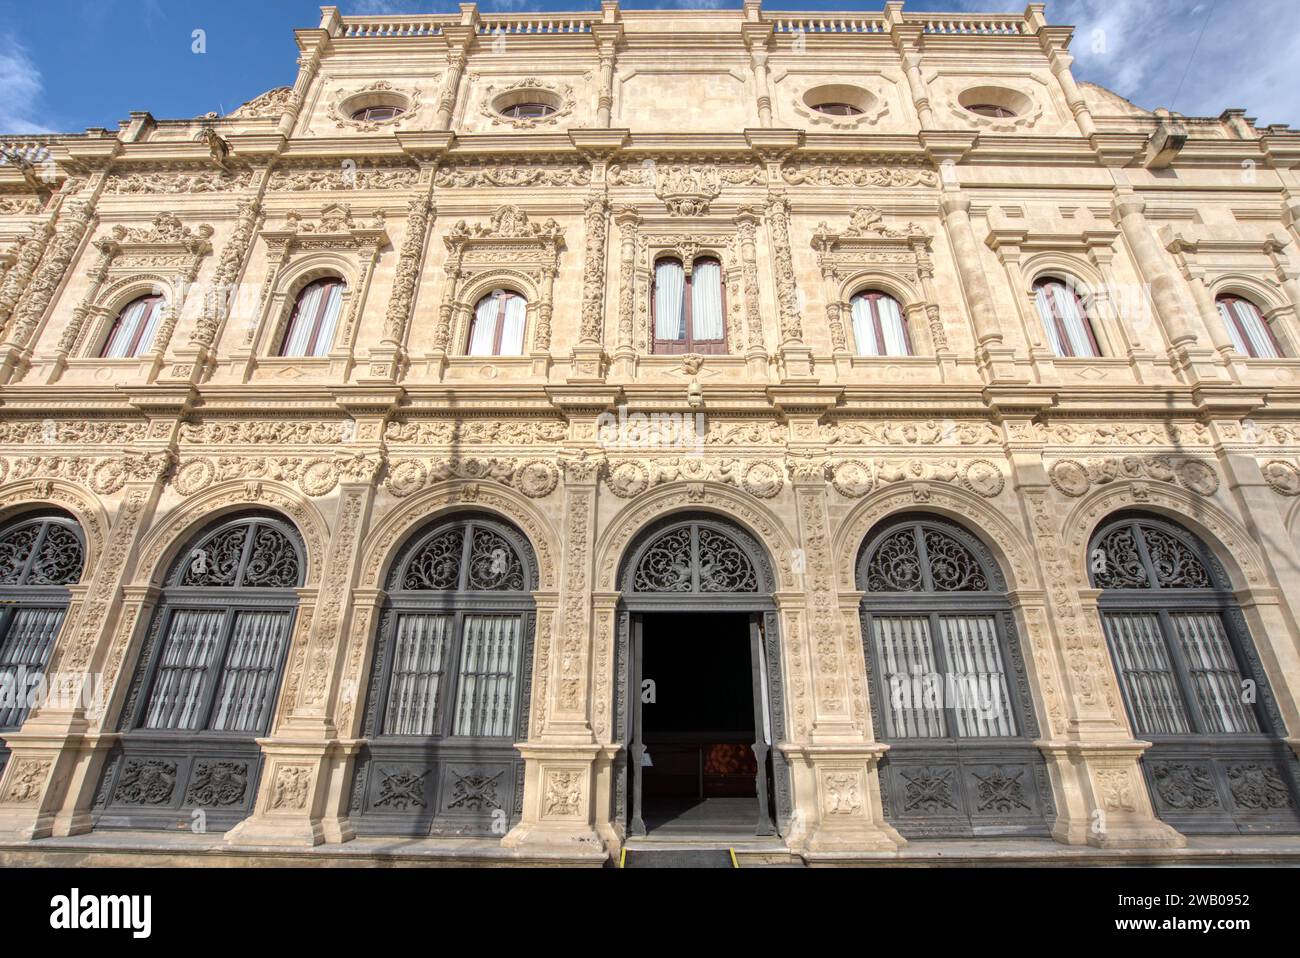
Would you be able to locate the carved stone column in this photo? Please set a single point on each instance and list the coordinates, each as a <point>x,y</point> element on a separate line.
<point>756,358</point>
<point>459,37</point>
<point>607,34</point>
<point>758,38</point>
<point>907,39</point>
<point>560,793</point>
<point>588,361</point>
<point>49,782</point>
<point>314,44</point>
<point>837,766</point>
<point>1185,353</point>
<point>305,754</point>
<point>387,360</point>
<point>625,353</point>
<point>1091,755</point>
<point>74,226</point>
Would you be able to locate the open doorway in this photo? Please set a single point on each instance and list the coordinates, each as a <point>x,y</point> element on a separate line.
<point>699,728</point>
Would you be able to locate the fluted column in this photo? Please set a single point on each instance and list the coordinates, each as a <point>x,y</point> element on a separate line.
<point>459,37</point>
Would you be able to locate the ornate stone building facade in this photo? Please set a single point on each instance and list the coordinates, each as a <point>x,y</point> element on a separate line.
<point>355,446</point>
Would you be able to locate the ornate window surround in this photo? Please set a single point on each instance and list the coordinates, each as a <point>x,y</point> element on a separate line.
<point>161,259</point>
<point>1190,775</point>
<point>1250,267</point>
<point>1034,250</point>
<point>1087,287</point>
<point>667,241</point>
<point>867,255</point>
<point>300,251</point>
<point>509,252</point>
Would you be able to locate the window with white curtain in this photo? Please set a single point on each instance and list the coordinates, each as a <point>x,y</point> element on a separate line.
<point>689,308</point>
<point>1065,320</point>
<point>133,330</point>
<point>1163,614</point>
<point>879,327</point>
<point>450,648</point>
<point>497,328</point>
<point>227,613</point>
<point>40,556</point>
<point>314,319</point>
<point>1247,328</point>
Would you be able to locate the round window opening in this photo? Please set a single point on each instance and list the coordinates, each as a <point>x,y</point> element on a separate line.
<point>838,100</point>
<point>838,109</point>
<point>995,103</point>
<point>369,114</point>
<point>527,104</point>
<point>528,111</point>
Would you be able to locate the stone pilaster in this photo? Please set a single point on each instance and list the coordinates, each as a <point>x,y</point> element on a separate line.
<point>304,757</point>
<point>49,782</point>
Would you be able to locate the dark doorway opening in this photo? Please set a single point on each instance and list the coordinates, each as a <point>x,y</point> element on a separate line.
<point>703,742</point>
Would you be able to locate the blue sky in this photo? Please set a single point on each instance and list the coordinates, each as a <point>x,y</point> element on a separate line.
<point>66,65</point>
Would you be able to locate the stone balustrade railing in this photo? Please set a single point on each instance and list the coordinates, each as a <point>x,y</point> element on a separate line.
<point>958,24</point>
<point>801,23</point>
<point>534,23</point>
<point>356,27</point>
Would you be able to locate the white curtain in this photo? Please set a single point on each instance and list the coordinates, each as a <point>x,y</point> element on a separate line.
<point>1044,299</point>
<point>178,688</point>
<point>419,649</point>
<point>304,320</point>
<point>670,300</point>
<point>512,336</point>
<point>864,328</point>
<point>976,683</point>
<point>1144,670</point>
<point>706,301</point>
<point>1213,671</point>
<point>892,326</point>
<point>329,321</point>
<point>484,333</point>
<point>485,688</point>
<point>1076,323</point>
<point>1250,324</point>
<point>248,677</point>
<point>914,706</point>
<point>143,312</point>
<point>25,651</point>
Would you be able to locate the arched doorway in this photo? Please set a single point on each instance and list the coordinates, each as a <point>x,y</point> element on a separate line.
<point>450,684</point>
<point>40,556</point>
<point>207,680</point>
<point>699,700</point>
<point>948,687</point>
<point>1192,681</point>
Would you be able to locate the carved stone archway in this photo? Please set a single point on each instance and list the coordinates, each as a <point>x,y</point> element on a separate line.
<point>702,562</point>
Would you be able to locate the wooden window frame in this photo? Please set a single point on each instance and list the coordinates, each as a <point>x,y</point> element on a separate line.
<point>873,296</point>
<point>688,343</point>
<point>1062,335</point>
<point>501,296</point>
<point>316,321</point>
<point>1230,300</point>
<point>157,299</point>
<point>992,111</point>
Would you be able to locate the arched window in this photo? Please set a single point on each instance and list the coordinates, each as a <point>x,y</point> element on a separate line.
<point>315,318</point>
<point>1247,328</point>
<point>689,309</point>
<point>207,678</point>
<point>879,328</point>
<point>40,556</point>
<point>498,325</point>
<point>1191,680</point>
<point>449,686</point>
<point>134,328</point>
<point>948,684</point>
<point>1065,319</point>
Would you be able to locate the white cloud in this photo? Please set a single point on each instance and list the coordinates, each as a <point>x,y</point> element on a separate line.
<point>22,86</point>
<point>1143,50</point>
